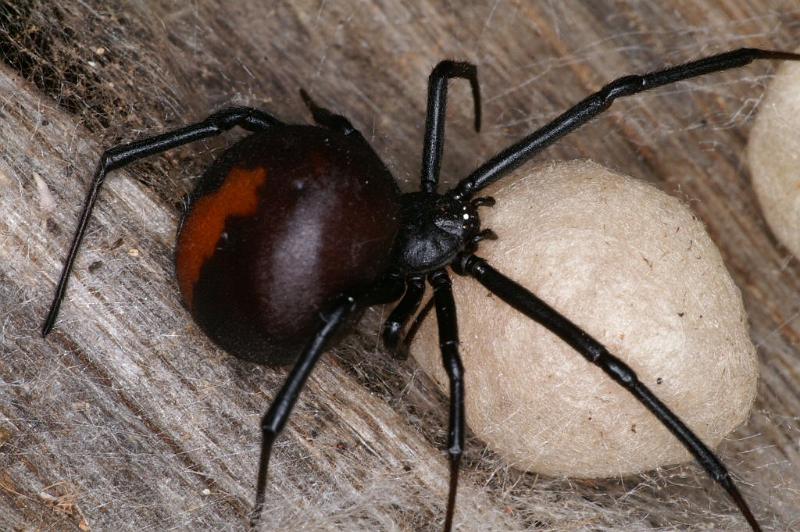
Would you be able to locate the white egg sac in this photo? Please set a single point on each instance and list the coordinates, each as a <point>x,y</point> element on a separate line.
<point>635,269</point>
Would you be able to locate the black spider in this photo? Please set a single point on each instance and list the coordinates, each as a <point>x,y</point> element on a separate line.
<point>295,229</point>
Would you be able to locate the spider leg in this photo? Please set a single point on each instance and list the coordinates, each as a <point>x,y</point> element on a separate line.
<point>331,120</point>
<point>388,289</point>
<point>278,413</point>
<point>416,324</point>
<point>124,154</point>
<point>275,418</point>
<point>326,118</point>
<point>434,122</point>
<point>533,307</point>
<point>448,343</point>
<point>399,317</point>
<point>517,154</point>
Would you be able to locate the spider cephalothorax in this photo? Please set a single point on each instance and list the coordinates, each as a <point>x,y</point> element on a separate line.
<point>434,228</point>
<point>296,229</point>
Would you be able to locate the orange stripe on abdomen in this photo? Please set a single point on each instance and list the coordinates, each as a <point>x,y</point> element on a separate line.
<point>205,223</point>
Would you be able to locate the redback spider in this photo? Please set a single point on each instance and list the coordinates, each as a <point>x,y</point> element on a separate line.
<point>294,230</point>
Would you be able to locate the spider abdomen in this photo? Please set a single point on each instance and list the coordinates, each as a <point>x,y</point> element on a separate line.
<point>282,223</point>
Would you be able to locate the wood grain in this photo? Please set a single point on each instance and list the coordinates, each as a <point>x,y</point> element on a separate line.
<point>126,417</point>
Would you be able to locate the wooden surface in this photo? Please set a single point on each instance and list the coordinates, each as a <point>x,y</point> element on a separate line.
<point>126,417</point>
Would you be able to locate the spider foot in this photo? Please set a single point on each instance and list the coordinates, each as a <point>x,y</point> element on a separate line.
<point>392,331</point>
<point>472,245</point>
<point>325,117</point>
<point>485,201</point>
<point>486,234</point>
<point>400,352</point>
<point>310,103</point>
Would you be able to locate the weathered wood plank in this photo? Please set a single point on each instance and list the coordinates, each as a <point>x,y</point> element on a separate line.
<point>128,418</point>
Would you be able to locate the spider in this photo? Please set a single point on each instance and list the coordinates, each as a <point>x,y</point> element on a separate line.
<point>295,230</point>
